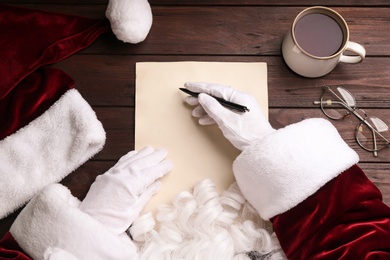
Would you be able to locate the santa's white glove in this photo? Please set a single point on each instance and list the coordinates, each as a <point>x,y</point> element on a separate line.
<point>130,20</point>
<point>240,128</point>
<point>117,197</point>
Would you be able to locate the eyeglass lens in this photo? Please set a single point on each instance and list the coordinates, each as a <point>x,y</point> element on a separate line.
<point>373,140</point>
<point>336,104</point>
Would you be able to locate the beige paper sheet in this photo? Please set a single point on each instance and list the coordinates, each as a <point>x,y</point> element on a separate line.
<point>163,120</point>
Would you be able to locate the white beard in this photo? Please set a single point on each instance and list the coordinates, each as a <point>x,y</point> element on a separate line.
<point>205,225</point>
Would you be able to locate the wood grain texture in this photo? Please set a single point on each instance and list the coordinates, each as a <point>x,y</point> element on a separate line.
<point>225,30</point>
<point>332,3</point>
<point>109,80</point>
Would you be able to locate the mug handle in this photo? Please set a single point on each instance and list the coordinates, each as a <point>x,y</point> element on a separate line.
<point>356,48</point>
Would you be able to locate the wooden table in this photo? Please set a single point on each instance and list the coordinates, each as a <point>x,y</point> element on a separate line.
<point>225,30</point>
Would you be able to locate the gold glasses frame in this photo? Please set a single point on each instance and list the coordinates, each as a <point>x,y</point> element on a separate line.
<point>346,100</point>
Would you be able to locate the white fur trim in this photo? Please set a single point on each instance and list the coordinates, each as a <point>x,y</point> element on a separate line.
<point>130,20</point>
<point>52,219</point>
<point>281,170</point>
<point>47,149</point>
<point>54,253</point>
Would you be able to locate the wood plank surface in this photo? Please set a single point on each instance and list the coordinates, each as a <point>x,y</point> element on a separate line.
<point>329,3</point>
<point>367,81</point>
<point>226,30</point>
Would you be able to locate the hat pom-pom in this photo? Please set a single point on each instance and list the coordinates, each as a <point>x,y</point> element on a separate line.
<point>130,20</point>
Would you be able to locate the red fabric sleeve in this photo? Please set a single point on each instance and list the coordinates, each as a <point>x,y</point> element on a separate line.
<point>9,249</point>
<point>31,98</point>
<point>345,219</point>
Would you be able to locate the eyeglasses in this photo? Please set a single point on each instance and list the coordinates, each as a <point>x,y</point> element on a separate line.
<point>372,134</point>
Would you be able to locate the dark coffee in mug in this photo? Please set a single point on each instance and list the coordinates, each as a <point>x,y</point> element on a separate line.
<point>317,41</point>
<point>319,34</point>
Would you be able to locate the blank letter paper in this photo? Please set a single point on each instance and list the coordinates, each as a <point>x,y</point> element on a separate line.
<point>163,120</point>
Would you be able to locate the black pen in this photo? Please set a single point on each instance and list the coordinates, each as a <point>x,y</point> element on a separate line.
<point>222,101</point>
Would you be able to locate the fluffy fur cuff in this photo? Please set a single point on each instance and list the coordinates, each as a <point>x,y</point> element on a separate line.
<point>281,170</point>
<point>52,220</point>
<point>47,149</point>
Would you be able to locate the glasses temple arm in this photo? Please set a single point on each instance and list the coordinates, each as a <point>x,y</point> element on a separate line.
<point>375,146</point>
<point>352,110</point>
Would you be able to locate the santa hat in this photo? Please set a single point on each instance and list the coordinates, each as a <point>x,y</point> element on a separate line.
<point>47,129</point>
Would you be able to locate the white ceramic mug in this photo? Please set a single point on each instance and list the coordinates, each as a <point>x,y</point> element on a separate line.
<point>316,43</point>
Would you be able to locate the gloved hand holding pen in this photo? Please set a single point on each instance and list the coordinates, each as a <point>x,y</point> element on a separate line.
<point>239,128</point>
